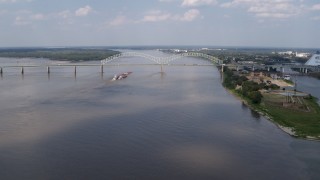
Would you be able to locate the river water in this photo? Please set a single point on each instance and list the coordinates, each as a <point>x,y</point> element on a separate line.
<point>180,124</point>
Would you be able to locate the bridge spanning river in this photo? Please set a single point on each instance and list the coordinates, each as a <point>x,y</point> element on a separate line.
<point>278,67</point>
<point>164,61</point>
<point>110,61</point>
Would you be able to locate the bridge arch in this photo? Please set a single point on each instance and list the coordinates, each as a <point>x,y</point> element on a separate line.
<point>162,60</point>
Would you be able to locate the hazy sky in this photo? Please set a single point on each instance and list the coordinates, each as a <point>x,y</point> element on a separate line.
<point>272,23</point>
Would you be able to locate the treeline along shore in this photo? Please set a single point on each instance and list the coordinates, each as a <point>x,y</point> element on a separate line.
<point>297,113</point>
<point>62,54</point>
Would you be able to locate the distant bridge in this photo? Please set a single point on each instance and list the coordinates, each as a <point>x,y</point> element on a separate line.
<point>162,60</point>
<point>106,62</point>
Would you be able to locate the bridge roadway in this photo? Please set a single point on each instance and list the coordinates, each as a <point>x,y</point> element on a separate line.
<point>75,65</point>
<point>280,67</point>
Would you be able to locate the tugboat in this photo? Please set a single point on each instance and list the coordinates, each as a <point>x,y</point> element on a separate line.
<point>120,76</point>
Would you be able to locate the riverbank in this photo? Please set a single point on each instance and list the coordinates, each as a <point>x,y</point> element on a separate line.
<point>298,115</point>
<point>302,115</point>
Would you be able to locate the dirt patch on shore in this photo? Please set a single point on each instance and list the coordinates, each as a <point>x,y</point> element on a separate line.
<point>259,78</point>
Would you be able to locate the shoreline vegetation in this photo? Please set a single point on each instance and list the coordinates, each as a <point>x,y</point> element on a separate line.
<point>61,54</point>
<point>296,113</point>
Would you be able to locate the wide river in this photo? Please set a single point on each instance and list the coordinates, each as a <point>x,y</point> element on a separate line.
<point>180,124</point>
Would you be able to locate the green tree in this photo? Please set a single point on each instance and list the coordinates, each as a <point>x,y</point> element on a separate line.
<point>255,97</point>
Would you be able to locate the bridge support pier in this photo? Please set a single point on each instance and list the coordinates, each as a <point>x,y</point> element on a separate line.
<point>75,69</point>
<point>1,71</point>
<point>48,69</point>
<point>222,68</point>
<point>101,68</point>
<point>22,70</point>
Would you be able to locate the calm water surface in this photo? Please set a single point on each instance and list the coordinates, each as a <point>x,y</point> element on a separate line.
<point>181,124</point>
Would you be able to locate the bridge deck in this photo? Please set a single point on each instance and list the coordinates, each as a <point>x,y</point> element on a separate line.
<point>99,65</point>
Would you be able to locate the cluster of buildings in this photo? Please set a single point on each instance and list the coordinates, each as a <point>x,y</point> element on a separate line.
<point>292,53</point>
<point>179,50</point>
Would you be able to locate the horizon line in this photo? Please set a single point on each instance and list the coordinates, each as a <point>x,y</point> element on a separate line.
<point>154,46</point>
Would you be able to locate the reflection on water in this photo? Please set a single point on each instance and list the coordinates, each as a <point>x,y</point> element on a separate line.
<point>255,114</point>
<point>181,124</point>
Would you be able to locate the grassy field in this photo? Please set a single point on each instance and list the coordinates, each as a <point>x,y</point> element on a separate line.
<point>304,118</point>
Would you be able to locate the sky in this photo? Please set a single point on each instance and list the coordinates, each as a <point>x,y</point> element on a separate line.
<point>248,23</point>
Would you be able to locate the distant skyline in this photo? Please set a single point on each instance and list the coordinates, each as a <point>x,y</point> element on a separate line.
<point>251,23</point>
